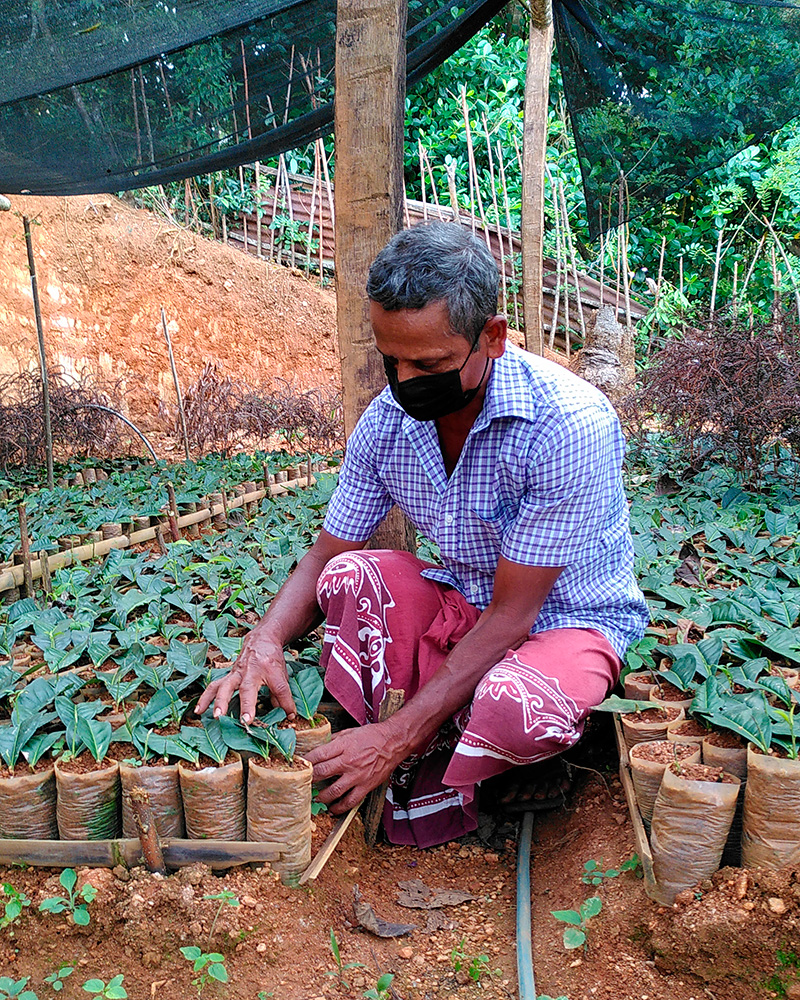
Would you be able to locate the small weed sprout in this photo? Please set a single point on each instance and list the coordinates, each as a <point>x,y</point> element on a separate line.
<point>207,965</point>
<point>75,902</point>
<point>382,989</point>
<point>474,965</point>
<point>112,990</point>
<point>226,898</point>
<point>13,908</point>
<point>593,873</point>
<point>576,931</point>
<point>56,979</point>
<point>341,967</point>
<point>16,988</point>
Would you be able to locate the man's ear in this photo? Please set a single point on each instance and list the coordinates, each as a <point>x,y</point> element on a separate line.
<point>496,329</point>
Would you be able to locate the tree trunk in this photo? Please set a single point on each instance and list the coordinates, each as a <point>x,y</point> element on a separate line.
<point>369,119</point>
<point>534,151</point>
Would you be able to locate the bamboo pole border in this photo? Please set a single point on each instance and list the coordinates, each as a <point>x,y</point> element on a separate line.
<point>639,833</point>
<point>15,576</point>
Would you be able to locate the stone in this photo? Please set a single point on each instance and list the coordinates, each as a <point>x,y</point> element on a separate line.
<point>776,905</point>
<point>406,952</point>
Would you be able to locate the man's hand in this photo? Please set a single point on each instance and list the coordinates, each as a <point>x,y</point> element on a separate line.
<point>362,758</point>
<point>260,662</point>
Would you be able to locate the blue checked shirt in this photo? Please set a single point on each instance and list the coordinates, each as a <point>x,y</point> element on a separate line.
<point>538,482</point>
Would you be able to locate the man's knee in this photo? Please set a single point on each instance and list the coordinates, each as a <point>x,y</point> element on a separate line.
<point>354,573</point>
<point>525,708</point>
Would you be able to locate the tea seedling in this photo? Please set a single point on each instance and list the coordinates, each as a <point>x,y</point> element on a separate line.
<point>56,979</point>
<point>382,989</point>
<point>16,988</point>
<point>575,933</point>
<point>75,902</point>
<point>593,873</point>
<point>341,967</point>
<point>475,965</point>
<point>16,902</point>
<point>226,897</point>
<point>207,965</point>
<point>112,990</point>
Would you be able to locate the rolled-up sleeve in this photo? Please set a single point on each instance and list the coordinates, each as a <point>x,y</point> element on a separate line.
<point>573,476</point>
<point>360,501</point>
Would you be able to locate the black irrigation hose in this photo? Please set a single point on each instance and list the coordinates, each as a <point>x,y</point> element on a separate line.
<point>116,413</point>
<point>527,987</point>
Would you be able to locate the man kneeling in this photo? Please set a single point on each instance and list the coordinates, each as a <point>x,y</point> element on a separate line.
<point>512,466</point>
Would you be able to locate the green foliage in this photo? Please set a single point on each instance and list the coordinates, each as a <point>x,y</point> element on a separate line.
<point>382,989</point>
<point>594,874</point>
<point>307,689</point>
<point>16,901</point>
<point>225,898</point>
<point>56,979</point>
<point>577,921</point>
<point>16,988</point>
<point>787,972</point>
<point>112,990</point>
<point>341,967</point>
<point>475,966</point>
<point>76,902</point>
<point>209,966</point>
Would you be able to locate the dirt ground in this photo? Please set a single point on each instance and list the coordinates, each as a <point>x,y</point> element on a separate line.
<point>105,269</point>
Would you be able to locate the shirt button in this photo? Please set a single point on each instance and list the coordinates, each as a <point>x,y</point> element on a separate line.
<point>448,518</point>
<point>474,588</point>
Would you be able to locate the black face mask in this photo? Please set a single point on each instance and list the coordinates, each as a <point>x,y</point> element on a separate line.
<point>428,397</point>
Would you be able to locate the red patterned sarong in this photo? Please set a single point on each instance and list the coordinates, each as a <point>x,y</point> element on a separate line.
<point>389,627</point>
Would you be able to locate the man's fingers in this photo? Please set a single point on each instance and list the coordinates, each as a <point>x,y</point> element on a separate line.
<point>227,685</point>
<point>207,697</point>
<point>325,751</point>
<point>348,802</point>
<point>334,791</point>
<point>281,695</point>
<point>248,696</point>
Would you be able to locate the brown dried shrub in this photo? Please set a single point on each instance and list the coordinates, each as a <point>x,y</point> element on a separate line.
<point>729,388</point>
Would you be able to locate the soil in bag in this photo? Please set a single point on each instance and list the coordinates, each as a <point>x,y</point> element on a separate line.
<point>279,811</point>
<point>28,803</point>
<point>771,817</point>
<point>648,762</point>
<point>88,798</point>
<point>213,798</point>
<point>691,819</point>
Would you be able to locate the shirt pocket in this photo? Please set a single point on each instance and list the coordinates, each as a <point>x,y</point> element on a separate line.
<point>483,528</point>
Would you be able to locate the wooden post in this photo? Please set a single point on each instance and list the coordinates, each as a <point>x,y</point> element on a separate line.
<point>25,548</point>
<point>369,121</point>
<point>534,152</point>
<point>172,514</point>
<point>48,433</point>
<point>139,799</point>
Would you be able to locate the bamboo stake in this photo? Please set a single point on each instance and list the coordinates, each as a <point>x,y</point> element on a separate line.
<point>136,118</point>
<point>660,278</point>
<point>313,208</point>
<point>434,192</point>
<point>473,173</point>
<point>507,206</point>
<point>25,548</point>
<point>47,581</point>
<point>496,216</point>
<point>557,298</point>
<point>717,260</point>
<point>177,385</point>
<point>680,289</point>
<point>734,303</point>
<point>147,118</point>
<point>571,249</point>
<point>451,184</point>
<point>750,270</point>
<point>327,849</point>
<point>373,811</point>
<point>37,311</point>
<point>422,181</point>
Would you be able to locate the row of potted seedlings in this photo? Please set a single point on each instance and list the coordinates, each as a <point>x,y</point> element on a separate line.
<point>714,752</point>
<point>70,761</point>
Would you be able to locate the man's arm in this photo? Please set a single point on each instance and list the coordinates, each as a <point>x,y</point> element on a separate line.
<point>364,758</point>
<point>293,611</point>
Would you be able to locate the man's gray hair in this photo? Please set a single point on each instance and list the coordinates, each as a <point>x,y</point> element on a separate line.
<point>434,262</point>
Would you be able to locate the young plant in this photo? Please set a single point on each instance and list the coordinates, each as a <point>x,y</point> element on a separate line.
<point>341,967</point>
<point>13,908</point>
<point>83,730</point>
<point>226,898</point>
<point>112,990</point>
<point>382,989</point>
<point>208,966</point>
<point>307,689</point>
<point>593,873</point>
<point>262,736</point>
<point>475,965</point>
<point>75,902</point>
<point>56,979</point>
<point>577,929</point>
<point>16,988</point>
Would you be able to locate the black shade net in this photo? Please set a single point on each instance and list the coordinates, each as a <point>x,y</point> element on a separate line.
<point>108,96</point>
<point>661,92</point>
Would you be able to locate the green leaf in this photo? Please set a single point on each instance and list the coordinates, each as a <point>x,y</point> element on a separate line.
<point>307,688</point>
<point>574,937</point>
<point>95,735</point>
<point>68,879</point>
<point>192,952</point>
<point>622,705</point>
<point>218,971</point>
<point>81,916</point>
<point>567,916</point>
<point>94,986</point>
<point>591,907</point>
